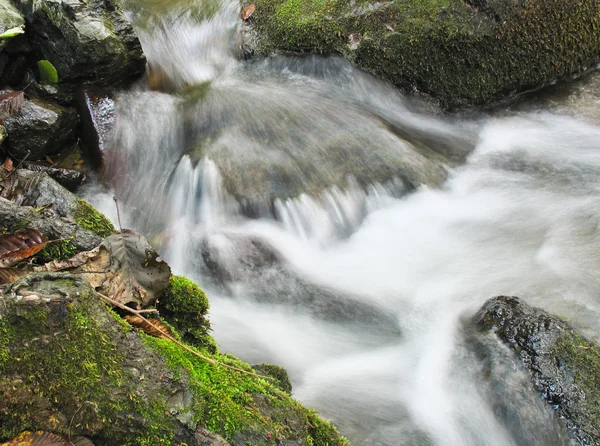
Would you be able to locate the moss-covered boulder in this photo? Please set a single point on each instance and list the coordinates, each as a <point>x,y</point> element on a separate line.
<point>70,366</point>
<point>185,306</point>
<point>564,366</point>
<point>461,52</point>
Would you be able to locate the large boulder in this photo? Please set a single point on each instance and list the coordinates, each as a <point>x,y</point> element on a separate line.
<point>461,52</point>
<point>70,366</point>
<point>564,366</point>
<point>40,129</point>
<point>86,41</point>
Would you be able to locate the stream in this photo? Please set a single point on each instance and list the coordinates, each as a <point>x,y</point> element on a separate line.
<point>347,232</point>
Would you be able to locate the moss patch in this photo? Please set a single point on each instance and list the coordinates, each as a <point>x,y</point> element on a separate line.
<point>581,359</point>
<point>185,306</point>
<point>89,218</point>
<point>62,250</point>
<point>237,405</point>
<point>449,49</point>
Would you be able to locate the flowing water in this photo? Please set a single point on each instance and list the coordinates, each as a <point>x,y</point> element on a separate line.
<point>348,233</point>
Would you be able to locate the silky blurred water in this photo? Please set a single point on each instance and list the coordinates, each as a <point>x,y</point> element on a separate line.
<point>356,272</point>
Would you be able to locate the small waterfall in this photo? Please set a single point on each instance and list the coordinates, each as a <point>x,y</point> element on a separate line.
<point>345,232</point>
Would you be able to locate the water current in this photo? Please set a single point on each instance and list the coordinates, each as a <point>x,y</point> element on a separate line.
<point>347,232</point>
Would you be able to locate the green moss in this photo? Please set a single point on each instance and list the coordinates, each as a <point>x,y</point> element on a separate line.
<point>72,381</point>
<point>582,359</point>
<point>89,218</point>
<point>445,48</point>
<point>235,404</point>
<point>65,249</point>
<point>278,373</point>
<point>184,305</point>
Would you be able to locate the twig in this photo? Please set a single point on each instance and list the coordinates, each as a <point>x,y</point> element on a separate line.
<point>171,338</point>
<point>118,213</point>
<point>75,414</point>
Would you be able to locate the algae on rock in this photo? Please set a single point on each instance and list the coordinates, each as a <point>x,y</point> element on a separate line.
<point>69,365</point>
<point>461,52</point>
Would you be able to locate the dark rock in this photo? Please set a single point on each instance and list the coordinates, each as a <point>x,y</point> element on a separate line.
<point>40,129</point>
<point>98,113</point>
<point>87,41</point>
<point>563,366</point>
<point>71,179</point>
<point>462,53</point>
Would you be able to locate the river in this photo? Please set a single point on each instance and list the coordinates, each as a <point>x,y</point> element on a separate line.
<point>348,233</point>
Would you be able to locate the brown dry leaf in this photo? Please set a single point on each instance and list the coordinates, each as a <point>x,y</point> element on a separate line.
<point>46,439</point>
<point>37,439</point>
<point>11,103</point>
<point>8,165</point>
<point>49,159</point>
<point>20,245</point>
<point>158,331</point>
<point>248,11</point>
<point>127,270</point>
<point>76,261</point>
<point>9,275</point>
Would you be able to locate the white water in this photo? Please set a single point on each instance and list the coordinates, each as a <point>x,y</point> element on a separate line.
<point>520,217</point>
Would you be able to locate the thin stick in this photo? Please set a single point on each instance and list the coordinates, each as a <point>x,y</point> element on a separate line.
<point>171,338</point>
<point>118,213</point>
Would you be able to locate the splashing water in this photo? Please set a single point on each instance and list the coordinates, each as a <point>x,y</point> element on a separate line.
<point>346,233</point>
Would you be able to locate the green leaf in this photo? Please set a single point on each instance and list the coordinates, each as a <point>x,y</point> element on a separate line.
<point>13,32</point>
<point>48,73</point>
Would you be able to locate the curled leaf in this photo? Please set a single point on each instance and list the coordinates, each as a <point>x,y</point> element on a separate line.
<point>9,33</point>
<point>11,103</point>
<point>248,11</point>
<point>20,245</point>
<point>153,327</point>
<point>48,74</point>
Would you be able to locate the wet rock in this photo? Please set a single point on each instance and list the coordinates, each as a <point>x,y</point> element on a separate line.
<point>564,367</point>
<point>462,53</point>
<point>98,113</point>
<point>69,365</point>
<point>70,179</point>
<point>85,41</point>
<point>40,129</point>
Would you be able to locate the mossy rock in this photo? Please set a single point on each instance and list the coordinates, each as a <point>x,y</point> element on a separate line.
<point>89,218</point>
<point>461,52</point>
<point>278,373</point>
<point>185,306</point>
<point>71,366</point>
<point>564,366</point>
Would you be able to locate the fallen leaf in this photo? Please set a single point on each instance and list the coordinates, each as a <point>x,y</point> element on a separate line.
<point>46,439</point>
<point>9,275</point>
<point>8,165</point>
<point>11,103</point>
<point>127,269</point>
<point>248,11</point>
<point>157,329</point>
<point>49,160</point>
<point>20,245</point>
<point>389,27</point>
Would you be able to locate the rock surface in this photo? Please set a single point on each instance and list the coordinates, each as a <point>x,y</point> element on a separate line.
<point>40,129</point>
<point>462,53</point>
<point>86,41</point>
<point>564,366</point>
<point>69,366</point>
